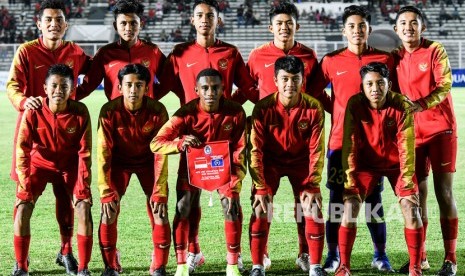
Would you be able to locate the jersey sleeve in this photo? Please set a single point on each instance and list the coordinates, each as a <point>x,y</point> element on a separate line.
<point>167,140</point>
<point>406,147</point>
<point>160,188</point>
<point>170,80</point>
<point>443,78</point>
<point>256,164</point>
<point>104,157</point>
<point>316,151</point>
<point>349,150</point>
<point>242,79</point>
<point>93,77</point>
<point>23,157</point>
<point>17,79</point>
<point>85,161</point>
<point>317,83</point>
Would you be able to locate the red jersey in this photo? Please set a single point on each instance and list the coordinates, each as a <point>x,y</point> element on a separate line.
<point>379,140</point>
<point>31,63</point>
<point>226,124</point>
<point>425,76</point>
<point>124,141</point>
<point>261,65</point>
<point>189,58</point>
<point>57,142</point>
<point>341,68</point>
<point>287,138</point>
<point>111,58</point>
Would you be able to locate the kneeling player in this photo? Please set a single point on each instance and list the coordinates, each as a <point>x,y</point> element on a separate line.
<point>127,124</point>
<point>287,140</point>
<point>54,145</point>
<point>208,118</point>
<point>379,140</point>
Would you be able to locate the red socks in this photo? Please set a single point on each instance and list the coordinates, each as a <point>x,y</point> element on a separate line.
<point>21,244</point>
<point>66,245</point>
<point>298,215</point>
<point>233,232</point>
<point>150,214</point>
<point>161,237</point>
<point>84,244</point>
<point>346,243</point>
<point>180,236</point>
<point>314,233</point>
<point>414,239</point>
<point>449,229</point>
<point>194,224</point>
<point>258,237</point>
<point>108,235</point>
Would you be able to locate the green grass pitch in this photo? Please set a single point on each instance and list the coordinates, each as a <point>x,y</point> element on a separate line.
<point>134,231</point>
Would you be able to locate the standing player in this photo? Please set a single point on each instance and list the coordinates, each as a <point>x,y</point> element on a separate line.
<point>283,26</point>
<point>25,89</point>
<point>340,68</point>
<point>127,124</point>
<point>209,118</point>
<point>379,141</point>
<point>128,49</point>
<point>287,140</point>
<point>424,76</point>
<point>54,145</point>
<point>179,75</point>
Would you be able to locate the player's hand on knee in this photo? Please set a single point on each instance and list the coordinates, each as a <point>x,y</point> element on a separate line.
<point>308,200</point>
<point>109,210</point>
<point>32,103</point>
<point>159,209</point>
<point>233,205</point>
<point>261,201</point>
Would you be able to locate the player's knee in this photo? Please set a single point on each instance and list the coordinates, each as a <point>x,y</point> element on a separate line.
<point>108,220</point>
<point>24,211</point>
<point>183,208</point>
<point>83,210</point>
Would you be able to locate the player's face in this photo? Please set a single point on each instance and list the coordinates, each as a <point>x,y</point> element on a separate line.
<point>409,27</point>
<point>210,90</point>
<point>58,89</point>
<point>52,24</point>
<point>375,88</point>
<point>283,26</point>
<point>289,85</point>
<point>128,26</point>
<point>204,19</point>
<point>133,90</point>
<point>356,30</point>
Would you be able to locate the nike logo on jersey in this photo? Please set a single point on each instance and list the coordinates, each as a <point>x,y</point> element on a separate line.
<point>268,65</point>
<point>113,64</point>
<point>445,164</point>
<point>38,66</point>
<point>190,64</point>
<point>340,73</point>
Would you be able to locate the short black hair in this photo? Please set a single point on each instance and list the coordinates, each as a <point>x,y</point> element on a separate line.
<point>284,7</point>
<point>212,3</point>
<point>290,64</point>
<point>377,67</point>
<point>356,10</point>
<point>128,6</point>
<point>138,69</point>
<point>411,9</point>
<point>52,4</point>
<point>209,72</point>
<point>60,70</point>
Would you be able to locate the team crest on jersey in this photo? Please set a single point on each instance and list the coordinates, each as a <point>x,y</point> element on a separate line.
<point>70,130</point>
<point>423,66</point>
<point>227,127</point>
<point>145,62</point>
<point>70,63</point>
<point>207,149</point>
<point>303,124</point>
<point>223,64</point>
<point>147,128</point>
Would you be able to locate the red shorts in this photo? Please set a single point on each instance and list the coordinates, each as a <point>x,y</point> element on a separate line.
<point>68,180</point>
<point>440,154</point>
<point>367,181</point>
<point>120,179</point>
<point>297,177</point>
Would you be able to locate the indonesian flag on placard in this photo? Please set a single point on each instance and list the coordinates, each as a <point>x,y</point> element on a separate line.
<point>209,166</point>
